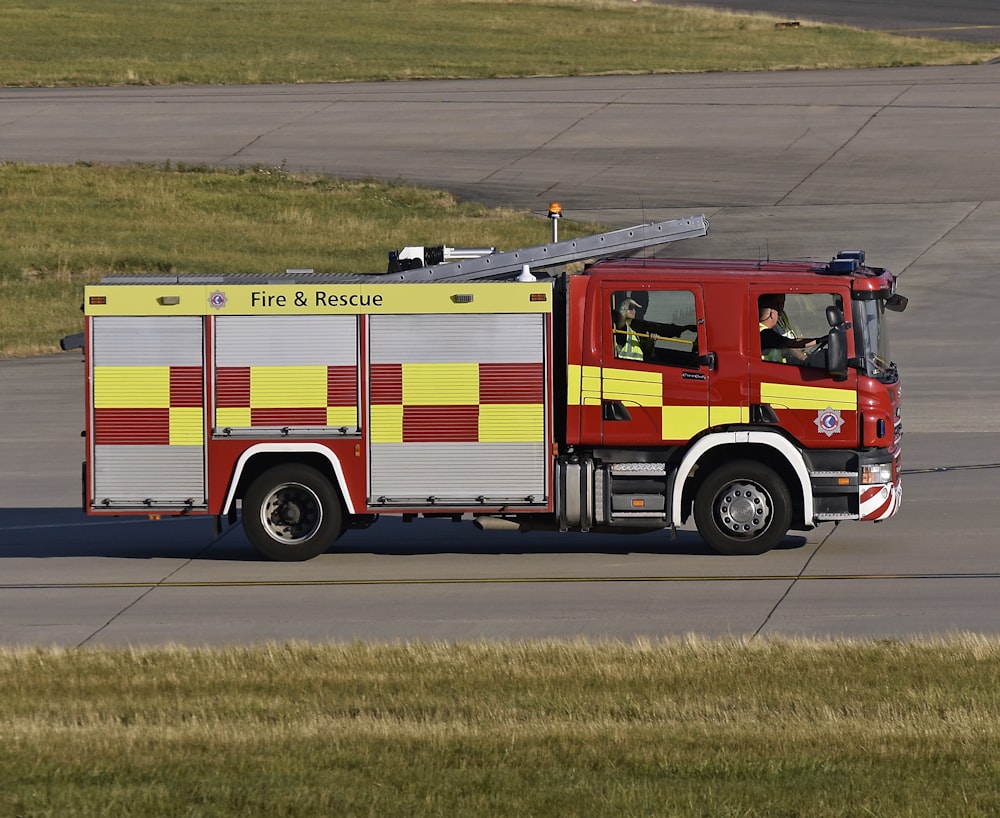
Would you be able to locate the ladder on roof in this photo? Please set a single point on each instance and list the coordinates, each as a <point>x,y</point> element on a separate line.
<point>602,245</point>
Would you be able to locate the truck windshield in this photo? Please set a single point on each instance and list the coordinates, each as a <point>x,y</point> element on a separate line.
<point>872,341</point>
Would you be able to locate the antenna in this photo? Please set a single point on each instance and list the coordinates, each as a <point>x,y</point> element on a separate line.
<point>642,209</point>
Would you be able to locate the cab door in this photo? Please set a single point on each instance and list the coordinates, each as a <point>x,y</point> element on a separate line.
<point>794,385</point>
<point>660,397</point>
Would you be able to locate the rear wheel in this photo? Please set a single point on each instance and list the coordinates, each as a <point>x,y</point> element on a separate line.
<point>292,513</point>
<point>743,507</point>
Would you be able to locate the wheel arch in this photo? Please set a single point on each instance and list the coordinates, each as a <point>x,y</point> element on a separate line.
<point>262,456</point>
<point>770,448</point>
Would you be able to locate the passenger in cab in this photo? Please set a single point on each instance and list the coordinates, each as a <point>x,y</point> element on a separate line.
<point>636,337</point>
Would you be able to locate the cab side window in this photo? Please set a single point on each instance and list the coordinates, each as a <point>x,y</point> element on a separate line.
<point>793,328</point>
<point>655,326</point>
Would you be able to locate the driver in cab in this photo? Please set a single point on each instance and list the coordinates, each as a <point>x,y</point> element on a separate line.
<point>777,340</point>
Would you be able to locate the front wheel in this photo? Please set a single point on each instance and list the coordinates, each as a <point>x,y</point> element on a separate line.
<point>292,513</point>
<point>743,508</point>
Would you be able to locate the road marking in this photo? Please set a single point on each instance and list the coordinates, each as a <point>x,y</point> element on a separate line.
<point>937,28</point>
<point>306,583</point>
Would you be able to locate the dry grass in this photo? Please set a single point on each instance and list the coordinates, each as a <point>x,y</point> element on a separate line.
<point>120,42</point>
<point>678,728</point>
<point>65,227</point>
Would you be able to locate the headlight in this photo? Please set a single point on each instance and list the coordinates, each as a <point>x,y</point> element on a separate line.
<point>875,473</point>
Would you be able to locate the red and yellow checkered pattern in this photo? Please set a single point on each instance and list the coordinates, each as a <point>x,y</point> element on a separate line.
<point>148,405</point>
<point>260,396</point>
<point>457,402</point>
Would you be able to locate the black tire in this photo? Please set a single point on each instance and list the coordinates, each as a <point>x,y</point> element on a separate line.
<point>743,508</point>
<point>292,513</point>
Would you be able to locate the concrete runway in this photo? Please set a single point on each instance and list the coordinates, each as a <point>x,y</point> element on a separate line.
<point>904,163</point>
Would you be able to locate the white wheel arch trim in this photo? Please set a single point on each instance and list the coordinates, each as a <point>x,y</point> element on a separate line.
<point>771,439</point>
<point>289,448</point>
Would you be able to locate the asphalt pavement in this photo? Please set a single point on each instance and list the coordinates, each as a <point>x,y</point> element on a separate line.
<point>975,21</point>
<point>901,162</point>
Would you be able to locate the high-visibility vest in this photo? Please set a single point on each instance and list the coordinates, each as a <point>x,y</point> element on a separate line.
<point>630,350</point>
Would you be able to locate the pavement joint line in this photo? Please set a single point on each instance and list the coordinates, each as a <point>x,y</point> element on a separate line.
<point>938,469</point>
<point>941,28</point>
<point>148,590</point>
<point>842,146</point>
<point>791,585</point>
<point>92,521</point>
<point>492,581</point>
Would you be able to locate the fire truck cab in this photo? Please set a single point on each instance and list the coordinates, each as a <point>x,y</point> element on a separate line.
<point>709,422</point>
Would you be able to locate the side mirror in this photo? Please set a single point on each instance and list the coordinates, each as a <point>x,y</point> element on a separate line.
<point>836,351</point>
<point>834,315</point>
<point>896,302</point>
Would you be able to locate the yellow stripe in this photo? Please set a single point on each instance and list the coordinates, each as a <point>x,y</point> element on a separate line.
<point>791,396</point>
<point>683,422</point>
<point>238,416</point>
<point>341,416</point>
<point>584,387</point>
<point>574,376</point>
<point>186,426</point>
<point>441,384</point>
<point>638,388</point>
<point>721,415</point>
<point>386,424</point>
<point>590,386</point>
<point>131,387</point>
<point>511,422</point>
<point>287,387</point>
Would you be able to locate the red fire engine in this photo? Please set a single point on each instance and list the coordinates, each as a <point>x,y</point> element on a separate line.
<point>629,394</point>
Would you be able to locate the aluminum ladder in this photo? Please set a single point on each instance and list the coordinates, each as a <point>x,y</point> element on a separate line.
<point>602,245</point>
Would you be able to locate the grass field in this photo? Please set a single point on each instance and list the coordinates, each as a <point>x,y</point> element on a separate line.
<point>64,227</point>
<point>121,42</point>
<point>682,728</point>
